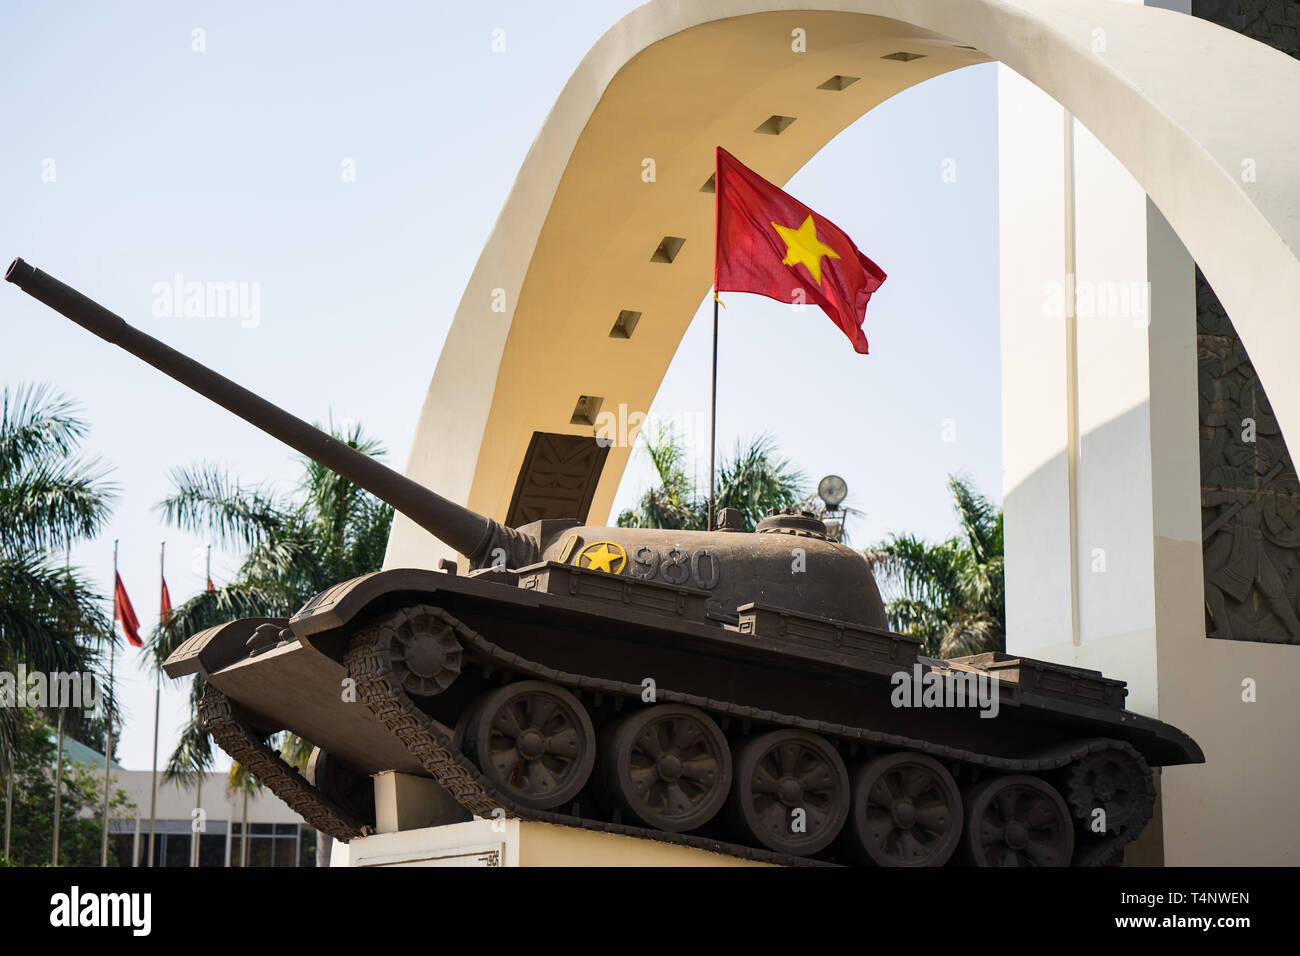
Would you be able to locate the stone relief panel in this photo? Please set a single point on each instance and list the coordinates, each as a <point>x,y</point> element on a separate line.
<point>1250,496</point>
<point>558,478</point>
<point>1250,493</point>
<point>1275,22</point>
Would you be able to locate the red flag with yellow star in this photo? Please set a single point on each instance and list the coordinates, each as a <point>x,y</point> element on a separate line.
<point>769,243</point>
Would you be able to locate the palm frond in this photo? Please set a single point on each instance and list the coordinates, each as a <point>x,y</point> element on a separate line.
<point>367,539</point>
<point>672,503</point>
<point>970,634</point>
<point>951,594</point>
<point>331,503</point>
<point>47,615</point>
<point>53,503</point>
<point>207,502</point>
<point>239,779</point>
<point>667,453</point>
<point>37,423</point>
<point>977,517</point>
<point>193,752</point>
<point>290,556</point>
<point>916,569</point>
<point>295,751</point>
<point>755,480</point>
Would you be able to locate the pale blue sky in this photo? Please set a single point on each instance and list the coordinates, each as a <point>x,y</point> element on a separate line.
<point>225,166</point>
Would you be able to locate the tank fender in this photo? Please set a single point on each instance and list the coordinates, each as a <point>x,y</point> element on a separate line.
<point>217,647</point>
<point>320,623</point>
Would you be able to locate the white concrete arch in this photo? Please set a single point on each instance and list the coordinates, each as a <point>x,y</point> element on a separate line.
<point>572,245</point>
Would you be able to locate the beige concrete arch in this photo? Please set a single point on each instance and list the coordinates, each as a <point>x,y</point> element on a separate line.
<point>1169,95</point>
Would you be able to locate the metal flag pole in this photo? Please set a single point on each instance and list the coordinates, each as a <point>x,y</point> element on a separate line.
<point>713,409</point>
<point>58,760</point>
<point>157,704</point>
<point>58,790</point>
<point>196,835</point>
<point>108,746</point>
<point>9,797</point>
<point>243,832</point>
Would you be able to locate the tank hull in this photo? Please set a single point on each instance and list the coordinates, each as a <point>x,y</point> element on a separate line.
<point>623,646</point>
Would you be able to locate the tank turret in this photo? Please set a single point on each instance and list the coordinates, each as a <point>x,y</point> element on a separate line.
<point>736,691</point>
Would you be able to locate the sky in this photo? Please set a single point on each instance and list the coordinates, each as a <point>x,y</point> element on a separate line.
<point>136,150</point>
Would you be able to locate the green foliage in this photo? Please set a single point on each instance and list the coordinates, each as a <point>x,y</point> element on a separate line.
<point>754,480</point>
<point>80,827</point>
<point>51,619</point>
<point>951,593</point>
<point>330,531</point>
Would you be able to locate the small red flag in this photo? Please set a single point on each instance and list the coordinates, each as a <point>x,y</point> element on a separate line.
<point>125,614</point>
<point>769,243</point>
<point>210,587</point>
<point>165,608</point>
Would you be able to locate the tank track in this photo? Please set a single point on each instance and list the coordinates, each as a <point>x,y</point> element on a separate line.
<point>236,736</point>
<point>431,743</point>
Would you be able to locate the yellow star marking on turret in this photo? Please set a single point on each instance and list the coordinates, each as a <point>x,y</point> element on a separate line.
<point>602,555</point>
<point>802,245</point>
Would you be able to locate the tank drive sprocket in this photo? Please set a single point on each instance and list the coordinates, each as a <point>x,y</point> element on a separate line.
<point>1117,782</point>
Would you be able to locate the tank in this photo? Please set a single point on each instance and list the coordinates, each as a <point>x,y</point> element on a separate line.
<point>734,691</point>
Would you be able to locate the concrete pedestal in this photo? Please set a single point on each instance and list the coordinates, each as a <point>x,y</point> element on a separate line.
<point>518,843</point>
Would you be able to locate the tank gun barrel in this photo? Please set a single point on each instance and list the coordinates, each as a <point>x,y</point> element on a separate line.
<point>458,527</point>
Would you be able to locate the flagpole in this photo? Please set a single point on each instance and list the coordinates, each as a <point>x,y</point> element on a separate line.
<point>713,409</point>
<point>196,836</point>
<point>157,705</point>
<point>8,799</point>
<point>108,747</point>
<point>58,760</point>
<point>58,789</point>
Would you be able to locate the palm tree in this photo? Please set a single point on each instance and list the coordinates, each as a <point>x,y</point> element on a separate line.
<point>952,593</point>
<point>754,480</point>
<point>331,531</point>
<point>240,781</point>
<point>50,498</point>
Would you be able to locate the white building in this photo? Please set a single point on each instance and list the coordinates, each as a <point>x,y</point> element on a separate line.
<point>276,835</point>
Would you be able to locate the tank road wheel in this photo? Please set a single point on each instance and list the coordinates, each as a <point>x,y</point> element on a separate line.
<point>1118,783</point>
<point>1018,820</point>
<point>423,653</point>
<point>669,766</point>
<point>790,791</point>
<point>906,811</point>
<point>534,742</point>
